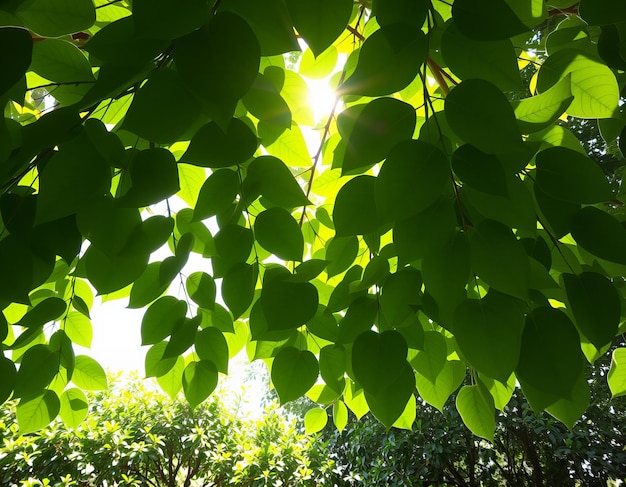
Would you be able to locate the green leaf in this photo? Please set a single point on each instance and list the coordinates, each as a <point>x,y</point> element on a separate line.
<point>354,212</point>
<point>475,405</point>
<point>596,305</point>
<point>332,362</point>
<point>407,418</point>
<point>270,22</point>
<point>161,318</point>
<point>60,61</point>
<point>410,12</point>
<point>411,179</point>
<point>389,405</point>
<point>154,281</point>
<point>213,147</point>
<point>172,381</point>
<point>318,66</point>
<point>163,110</point>
<point>89,374</point>
<point>314,420</point>
<point>499,258</point>
<point>78,328</point>
<point>270,177</point>
<point>617,373</point>
<point>73,178</point>
<point>594,87</point>
<point>431,360</point>
<point>199,381</point>
<point>182,338</point>
<point>210,344</point>
<point>288,304</point>
<point>489,333</point>
<point>480,171</point>
<point>340,254</point>
<point>410,239</point>
<point>152,176</point>
<point>9,375</point>
<point>264,101</point>
<point>480,114</point>
<point>500,391</point>
<point>319,22</point>
<point>541,111</point>
<point>293,373</point>
<point>38,366</point>
<point>279,233</point>
<point>401,294</point>
<point>600,233</point>
<point>340,415</point>
<point>155,364</point>
<point>47,310</point>
<point>378,127</point>
<point>354,397</point>
<point>494,61</point>
<point>378,360</point>
<point>600,12</point>
<point>228,46</point>
<point>168,19</point>
<point>55,18</point>
<point>436,392</point>
<point>201,289</point>
<point>238,287</point>
<point>73,407</point>
<point>388,61</point>
<point>445,274</point>
<point>550,357</point>
<point>234,244</point>
<point>486,20</point>
<point>15,61</point>
<point>290,146</point>
<point>568,411</point>
<point>37,412</point>
<point>359,318</point>
<point>567,175</point>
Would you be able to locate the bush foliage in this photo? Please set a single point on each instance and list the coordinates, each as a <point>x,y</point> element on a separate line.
<point>135,436</point>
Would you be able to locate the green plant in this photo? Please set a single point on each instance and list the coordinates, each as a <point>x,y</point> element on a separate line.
<point>447,225</point>
<point>135,436</point>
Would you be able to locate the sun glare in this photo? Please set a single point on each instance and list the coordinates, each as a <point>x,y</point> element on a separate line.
<point>321,98</point>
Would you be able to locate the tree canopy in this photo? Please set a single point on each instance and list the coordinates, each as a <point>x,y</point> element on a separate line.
<point>449,233</point>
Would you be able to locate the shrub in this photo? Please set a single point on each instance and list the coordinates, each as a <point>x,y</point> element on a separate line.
<point>135,436</point>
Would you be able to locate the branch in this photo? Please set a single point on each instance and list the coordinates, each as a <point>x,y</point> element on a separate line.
<point>569,10</point>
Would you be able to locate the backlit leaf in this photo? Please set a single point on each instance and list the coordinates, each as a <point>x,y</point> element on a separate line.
<point>411,179</point>
<point>476,407</point>
<point>73,407</point>
<point>480,114</point>
<point>199,381</point>
<point>213,147</point>
<point>54,18</point>
<point>37,412</point>
<point>388,61</point>
<point>293,373</point>
<point>617,373</point>
<point>89,374</point>
<point>595,304</point>
<point>279,233</point>
<point>594,86</point>
<point>314,420</point>
<point>319,22</point>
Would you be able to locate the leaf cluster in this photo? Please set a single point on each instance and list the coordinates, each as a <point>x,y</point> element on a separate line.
<point>447,233</point>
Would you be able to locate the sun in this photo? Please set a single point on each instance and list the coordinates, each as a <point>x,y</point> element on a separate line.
<point>322,98</point>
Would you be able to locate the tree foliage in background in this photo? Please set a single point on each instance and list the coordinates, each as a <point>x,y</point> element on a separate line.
<point>137,437</point>
<point>529,448</point>
<point>447,226</point>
